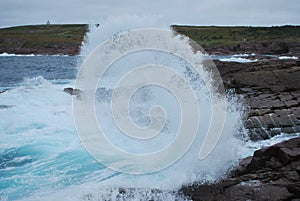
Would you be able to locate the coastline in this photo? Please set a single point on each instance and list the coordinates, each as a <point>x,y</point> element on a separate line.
<point>43,39</point>
<point>272,173</point>
<point>67,39</point>
<point>271,91</point>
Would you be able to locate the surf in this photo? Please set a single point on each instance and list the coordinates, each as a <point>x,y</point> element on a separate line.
<point>42,157</point>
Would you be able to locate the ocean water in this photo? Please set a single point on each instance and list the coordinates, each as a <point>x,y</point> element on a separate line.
<point>42,157</point>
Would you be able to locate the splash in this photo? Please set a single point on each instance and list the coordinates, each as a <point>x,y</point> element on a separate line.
<point>189,168</point>
<point>42,157</point>
<point>113,25</point>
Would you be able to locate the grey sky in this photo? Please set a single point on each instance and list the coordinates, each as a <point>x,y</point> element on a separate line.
<point>199,12</point>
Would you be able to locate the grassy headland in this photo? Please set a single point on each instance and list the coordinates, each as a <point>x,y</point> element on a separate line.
<point>66,39</point>
<point>272,40</point>
<point>43,39</point>
<point>209,36</point>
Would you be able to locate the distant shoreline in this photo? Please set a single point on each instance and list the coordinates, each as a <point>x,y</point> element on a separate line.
<point>43,39</point>
<point>277,40</point>
<point>66,39</point>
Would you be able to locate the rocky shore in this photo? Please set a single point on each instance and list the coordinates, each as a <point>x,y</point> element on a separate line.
<point>271,47</point>
<point>271,91</point>
<point>273,173</point>
<point>49,49</point>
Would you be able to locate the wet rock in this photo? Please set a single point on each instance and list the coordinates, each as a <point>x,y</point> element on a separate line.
<point>3,90</point>
<point>268,121</point>
<point>291,103</point>
<point>243,163</point>
<point>271,91</point>
<point>259,112</point>
<point>287,130</point>
<point>72,91</point>
<point>258,47</point>
<point>6,106</point>
<point>254,135</point>
<point>271,174</point>
<point>252,190</point>
<point>122,190</point>
<point>281,153</point>
<point>275,131</point>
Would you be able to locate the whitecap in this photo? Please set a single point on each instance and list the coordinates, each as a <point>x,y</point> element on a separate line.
<point>288,57</point>
<point>238,60</point>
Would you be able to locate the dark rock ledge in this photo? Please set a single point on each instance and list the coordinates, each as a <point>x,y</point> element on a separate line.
<point>273,173</point>
<point>72,91</point>
<point>271,90</point>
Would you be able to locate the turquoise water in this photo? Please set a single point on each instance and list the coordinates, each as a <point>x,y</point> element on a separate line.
<point>42,158</point>
<point>39,145</point>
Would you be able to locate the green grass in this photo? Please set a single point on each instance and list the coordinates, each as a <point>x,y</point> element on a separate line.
<point>209,36</point>
<point>41,38</point>
<point>42,35</point>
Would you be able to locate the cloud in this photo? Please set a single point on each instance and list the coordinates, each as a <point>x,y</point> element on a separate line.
<point>202,12</point>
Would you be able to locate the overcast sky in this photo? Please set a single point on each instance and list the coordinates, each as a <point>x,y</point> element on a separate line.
<point>198,12</point>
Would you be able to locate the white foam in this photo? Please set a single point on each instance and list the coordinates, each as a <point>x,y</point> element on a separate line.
<point>116,24</point>
<point>37,104</point>
<point>189,169</point>
<point>288,57</point>
<point>42,122</point>
<point>238,60</point>
<point>30,55</point>
<point>16,55</point>
<point>251,146</point>
<point>92,192</point>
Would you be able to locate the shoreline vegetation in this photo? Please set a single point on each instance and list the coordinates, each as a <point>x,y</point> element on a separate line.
<point>244,39</point>
<point>270,88</point>
<point>50,39</point>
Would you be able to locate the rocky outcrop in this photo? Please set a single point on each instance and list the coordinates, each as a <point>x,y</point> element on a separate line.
<point>72,91</point>
<point>59,48</point>
<point>271,90</point>
<point>273,173</point>
<point>275,47</point>
<point>6,106</point>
